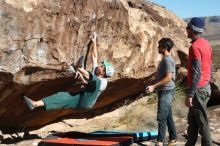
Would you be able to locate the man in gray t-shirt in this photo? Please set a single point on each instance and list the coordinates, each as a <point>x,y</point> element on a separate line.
<point>165,86</point>
<point>167,65</point>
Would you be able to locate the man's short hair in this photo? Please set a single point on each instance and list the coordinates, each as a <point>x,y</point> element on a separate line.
<point>166,43</point>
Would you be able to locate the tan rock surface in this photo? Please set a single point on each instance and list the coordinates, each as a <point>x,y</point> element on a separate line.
<point>36,35</point>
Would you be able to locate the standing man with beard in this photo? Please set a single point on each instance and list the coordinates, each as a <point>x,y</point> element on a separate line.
<point>199,75</point>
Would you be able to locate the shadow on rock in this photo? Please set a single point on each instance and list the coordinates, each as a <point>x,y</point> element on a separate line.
<point>14,139</point>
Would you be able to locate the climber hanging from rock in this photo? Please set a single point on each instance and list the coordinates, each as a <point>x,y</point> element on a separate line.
<point>96,83</point>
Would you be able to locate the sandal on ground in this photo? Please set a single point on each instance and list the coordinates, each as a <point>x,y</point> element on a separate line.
<point>171,143</point>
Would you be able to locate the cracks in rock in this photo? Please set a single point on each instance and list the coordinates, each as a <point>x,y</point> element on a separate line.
<point>134,5</point>
<point>9,51</point>
<point>54,56</point>
<point>32,70</point>
<point>68,124</point>
<point>27,58</point>
<point>40,39</point>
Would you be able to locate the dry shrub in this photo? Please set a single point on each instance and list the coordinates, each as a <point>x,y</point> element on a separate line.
<point>179,108</point>
<point>140,115</point>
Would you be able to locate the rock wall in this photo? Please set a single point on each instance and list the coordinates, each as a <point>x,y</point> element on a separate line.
<point>37,36</point>
<point>215,86</point>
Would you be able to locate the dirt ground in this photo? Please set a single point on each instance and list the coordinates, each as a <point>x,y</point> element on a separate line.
<point>136,116</point>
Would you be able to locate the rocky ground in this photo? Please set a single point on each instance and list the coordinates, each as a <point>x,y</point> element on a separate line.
<point>136,116</point>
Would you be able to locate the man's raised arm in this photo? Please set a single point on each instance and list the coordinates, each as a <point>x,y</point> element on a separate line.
<point>94,50</point>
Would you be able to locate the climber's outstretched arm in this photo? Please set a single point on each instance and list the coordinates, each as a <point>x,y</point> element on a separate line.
<point>94,51</point>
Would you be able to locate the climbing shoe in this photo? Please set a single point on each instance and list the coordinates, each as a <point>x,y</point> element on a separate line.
<point>28,102</point>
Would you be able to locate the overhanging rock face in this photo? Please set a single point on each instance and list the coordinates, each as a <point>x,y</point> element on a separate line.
<point>37,36</point>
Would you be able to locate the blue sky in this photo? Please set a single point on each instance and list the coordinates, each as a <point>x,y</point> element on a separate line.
<point>191,8</point>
